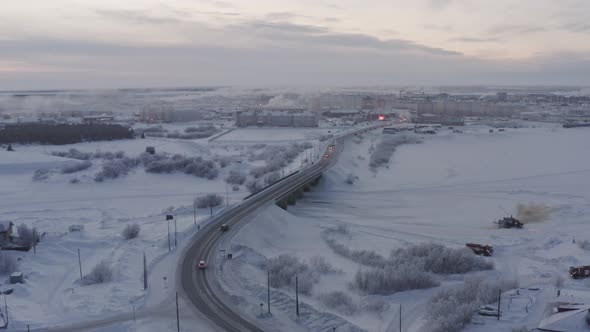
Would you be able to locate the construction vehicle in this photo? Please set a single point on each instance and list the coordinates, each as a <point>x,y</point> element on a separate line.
<point>480,249</point>
<point>509,222</point>
<point>578,272</point>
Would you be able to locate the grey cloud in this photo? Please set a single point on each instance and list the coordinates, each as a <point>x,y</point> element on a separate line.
<point>475,40</point>
<point>223,4</point>
<point>439,4</point>
<point>331,5</point>
<point>515,29</point>
<point>332,19</point>
<point>283,16</point>
<point>287,16</point>
<point>199,65</point>
<point>281,27</point>
<point>320,36</point>
<point>579,27</point>
<point>139,16</point>
<point>166,15</point>
<point>445,28</point>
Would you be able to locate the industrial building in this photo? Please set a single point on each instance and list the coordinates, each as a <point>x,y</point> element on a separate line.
<point>277,118</point>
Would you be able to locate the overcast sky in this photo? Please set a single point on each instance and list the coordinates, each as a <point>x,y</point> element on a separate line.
<point>144,43</point>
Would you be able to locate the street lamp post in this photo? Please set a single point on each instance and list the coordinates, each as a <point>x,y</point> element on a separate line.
<point>168,218</point>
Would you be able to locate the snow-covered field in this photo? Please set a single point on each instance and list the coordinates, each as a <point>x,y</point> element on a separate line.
<point>52,294</point>
<point>448,190</point>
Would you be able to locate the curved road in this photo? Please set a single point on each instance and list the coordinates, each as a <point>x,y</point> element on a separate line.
<point>199,285</point>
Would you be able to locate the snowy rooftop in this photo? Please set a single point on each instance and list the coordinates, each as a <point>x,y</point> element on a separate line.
<point>568,321</point>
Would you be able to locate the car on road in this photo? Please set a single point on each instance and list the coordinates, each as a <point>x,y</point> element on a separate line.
<point>202,265</point>
<point>326,156</point>
<point>224,227</point>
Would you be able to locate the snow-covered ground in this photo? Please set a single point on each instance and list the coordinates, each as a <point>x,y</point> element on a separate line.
<point>267,135</point>
<point>449,190</point>
<point>52,294</point>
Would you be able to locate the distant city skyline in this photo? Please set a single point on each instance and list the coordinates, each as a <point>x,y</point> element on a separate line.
<point>150,43</point>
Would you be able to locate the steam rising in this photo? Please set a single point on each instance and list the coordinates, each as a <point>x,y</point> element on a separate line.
<point>532,212</point>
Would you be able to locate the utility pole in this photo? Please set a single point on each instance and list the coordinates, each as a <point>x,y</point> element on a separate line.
<point>175,235</point>
<point>134,321</point>
<point>6,309</point>
<point>80,263</point>
<point>400,317</point>
<point>169,249</point>
<point>144,272</point>
<point>177,315</point>
<point>297,295</point>
<point>268,289</point>
<point>226,194</point>
<point>499,299</point>
<point>168,218</point>
<point>195,210</point>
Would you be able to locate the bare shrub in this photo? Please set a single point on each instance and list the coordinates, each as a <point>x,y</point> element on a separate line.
<point>130,162</point>
<point>321,265</point>
<point>41,174</point>
<point>130,231</point>
<point>209,201</point>
<point>375,305</point>
<point>201,168</point>
<point>306,281</point>
<point>364,257</point>
<point>73,154</point>
<point>382,153</point>
<point>276,157</point>
<point>254,186</point>
<point>101,273</point>
<point>585,244</point>
<point>340,229</point>
<point>164,163</point>
<point>76,154</point>
<point>235,177</point>
<point>112,169</point>
<point>272,178</point>
<point>452,308</point>
<point>338,301</point>
<point>533,212</point>
<point>440,259</point>
<point>8,264</point>
<point>198,132</point>
<point>258,171</point>
<point>390,279</point>
<point>283,270</point>
<point>76,167</point>
<point>351,179</point>
<point>224,161</point>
